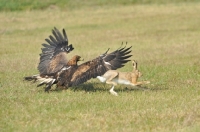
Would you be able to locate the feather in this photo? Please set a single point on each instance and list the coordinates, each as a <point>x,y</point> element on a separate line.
<point>52,39</point>
<point>46,45</point>
<point>48,41</point>
<point>59,34</point>
<point>65,35</point>
<point>56,36</point>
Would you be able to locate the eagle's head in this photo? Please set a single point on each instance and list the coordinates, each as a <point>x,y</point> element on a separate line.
<point>74,60</point>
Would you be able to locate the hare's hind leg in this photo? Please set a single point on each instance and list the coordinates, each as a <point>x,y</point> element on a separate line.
<point>138,85</point>
<point>142,82</point>
<point>112,91</point>
<point>110,80</point>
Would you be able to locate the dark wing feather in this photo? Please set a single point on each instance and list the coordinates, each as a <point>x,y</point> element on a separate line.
<point>100,65</point>
<point>53,56</point>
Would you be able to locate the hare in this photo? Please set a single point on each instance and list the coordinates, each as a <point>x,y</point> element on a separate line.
<point>115,77</point>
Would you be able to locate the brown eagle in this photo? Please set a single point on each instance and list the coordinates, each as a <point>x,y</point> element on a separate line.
<point>54,68</point>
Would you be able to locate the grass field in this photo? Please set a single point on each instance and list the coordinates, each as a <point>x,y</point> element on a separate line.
<point>166,44</point>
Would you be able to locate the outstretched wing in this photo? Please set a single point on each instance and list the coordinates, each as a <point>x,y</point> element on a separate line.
<point>100,65</point>
<point>53,56</point>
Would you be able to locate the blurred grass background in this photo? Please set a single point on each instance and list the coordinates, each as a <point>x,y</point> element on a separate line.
<point>20,5</point>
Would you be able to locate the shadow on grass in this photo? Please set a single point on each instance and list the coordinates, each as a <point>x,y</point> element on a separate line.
<point>100,87</point>
<point>93,87</point>
<point>90,87</point>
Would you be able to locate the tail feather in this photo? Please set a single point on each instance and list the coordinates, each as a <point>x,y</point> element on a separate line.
<point>44,81</point>
<point>30,78</point>
<point>49,81</point>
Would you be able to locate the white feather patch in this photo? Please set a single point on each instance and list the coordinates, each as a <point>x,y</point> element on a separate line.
<point>66,68</point>
<point>107,63</point>
<point>102,79</point>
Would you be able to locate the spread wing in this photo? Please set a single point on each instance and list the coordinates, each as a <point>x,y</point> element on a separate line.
<point>100,65</point>
<point>53,56</point>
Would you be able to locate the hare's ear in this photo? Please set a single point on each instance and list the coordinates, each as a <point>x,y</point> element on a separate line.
<point>134,64</point>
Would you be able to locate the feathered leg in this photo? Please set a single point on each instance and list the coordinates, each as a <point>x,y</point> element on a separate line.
<point>48,86</point>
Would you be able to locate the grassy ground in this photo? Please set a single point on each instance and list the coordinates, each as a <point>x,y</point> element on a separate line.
<point>166,44</point>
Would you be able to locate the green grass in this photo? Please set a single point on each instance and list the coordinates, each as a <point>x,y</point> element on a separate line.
<point>166,44</point>
<point>20,5</point>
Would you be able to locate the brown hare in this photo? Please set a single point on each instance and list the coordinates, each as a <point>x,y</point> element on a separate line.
<point>115,77</point>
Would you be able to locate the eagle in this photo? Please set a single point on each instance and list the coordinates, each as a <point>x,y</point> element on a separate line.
<point>55,68</point>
